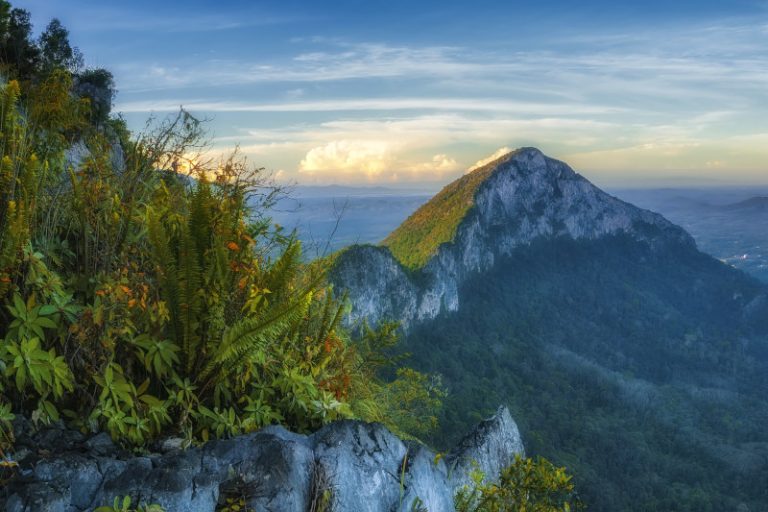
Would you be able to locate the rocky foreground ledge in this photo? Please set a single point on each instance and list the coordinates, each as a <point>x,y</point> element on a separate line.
<point>356,466</point>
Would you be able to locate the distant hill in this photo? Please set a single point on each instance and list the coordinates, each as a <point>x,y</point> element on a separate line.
<point>752,205</point>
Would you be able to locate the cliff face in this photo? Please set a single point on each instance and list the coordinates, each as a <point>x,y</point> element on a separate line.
<point>350,466</point>
<point>379,286</point>
<point>524,196</point>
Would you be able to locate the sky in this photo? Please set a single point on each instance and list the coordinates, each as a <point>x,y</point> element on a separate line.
<point>413,94</point>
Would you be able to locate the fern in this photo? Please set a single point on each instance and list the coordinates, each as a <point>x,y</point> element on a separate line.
<point>189,298</point>
<point>249,335</point>
<point>284,271</point>
<point>166,266</point>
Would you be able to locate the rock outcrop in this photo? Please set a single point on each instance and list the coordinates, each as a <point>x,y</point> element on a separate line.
<point>353,466</point>
<point>489,448</point>
<point>526,196</point>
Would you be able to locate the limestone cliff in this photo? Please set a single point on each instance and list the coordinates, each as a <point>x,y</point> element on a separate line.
<point>353,466</point>
<point>516,199</point>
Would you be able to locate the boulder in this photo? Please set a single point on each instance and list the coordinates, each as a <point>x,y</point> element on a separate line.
<point>360,465</point>
<point>489,448</point>
<point>355,466</point>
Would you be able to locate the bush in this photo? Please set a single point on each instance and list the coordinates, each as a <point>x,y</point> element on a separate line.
<point>151,301</point>
<point>98,86</point>
<point>531,485</point>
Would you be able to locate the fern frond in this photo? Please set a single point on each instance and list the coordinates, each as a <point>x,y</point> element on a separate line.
<point>252,334</point>
<point>165,261</point>
<point>201,209</point>
<point>190,300</point>
<point>284,271</point>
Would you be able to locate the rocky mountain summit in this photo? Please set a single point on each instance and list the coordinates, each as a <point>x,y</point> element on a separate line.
<point>357,466</point>
<point>485,215</point>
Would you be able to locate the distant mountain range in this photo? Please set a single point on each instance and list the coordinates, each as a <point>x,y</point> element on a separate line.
<point>624,352</point>
<point>755,204</point>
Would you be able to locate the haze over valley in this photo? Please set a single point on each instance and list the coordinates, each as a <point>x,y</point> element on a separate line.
<point>330,218</point>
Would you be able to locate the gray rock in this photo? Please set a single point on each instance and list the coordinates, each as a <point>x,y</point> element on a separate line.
<point>489,448</point>
<point>39,497</point>
<point>101,444</point>
<point>171,444</point>
<point>360,462</point>
<point>272,468</point>
<point>118,157</point>
<point>382,288</point>
<point>363,466</point>
<point>426,482</point>
<point>76,154</point>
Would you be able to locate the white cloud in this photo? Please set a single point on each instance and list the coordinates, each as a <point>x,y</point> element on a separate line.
<point>439,164</point>
<point>111,18</point>
<point>360,158</point>
<point>496,155</point>
<point>650,98</point>
<point>489,105</point>
<point>295,93</point>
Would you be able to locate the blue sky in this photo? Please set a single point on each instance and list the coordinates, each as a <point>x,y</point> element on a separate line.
<point>413,93</point>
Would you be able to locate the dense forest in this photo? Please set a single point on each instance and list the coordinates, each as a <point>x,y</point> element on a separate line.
<point>635,368</point>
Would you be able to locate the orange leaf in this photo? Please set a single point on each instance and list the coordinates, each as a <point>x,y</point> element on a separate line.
<point>232,246</point>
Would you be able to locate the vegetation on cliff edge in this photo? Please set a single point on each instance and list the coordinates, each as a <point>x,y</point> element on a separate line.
<point>417,239</point>
<point>146,303</point>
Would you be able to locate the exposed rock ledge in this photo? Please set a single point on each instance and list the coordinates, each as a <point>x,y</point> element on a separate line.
<point>363,466</point>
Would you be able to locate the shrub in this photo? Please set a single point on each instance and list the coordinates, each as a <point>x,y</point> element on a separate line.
<point>147,302</point>
<point>531,485</point>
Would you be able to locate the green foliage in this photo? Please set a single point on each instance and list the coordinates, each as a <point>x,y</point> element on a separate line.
<point>415,400</point>
<point>234,504</point>
<point>568,349</point>
<point>55,49</point>
<point>19,55</point>
<point>417,239</point>
<point>531,485</point>
<point>143,302</point>
<point>18,183</point>
<point>98,86</point>
<point>6,433</point>
<point>55,115</point>
<point>124,505</point>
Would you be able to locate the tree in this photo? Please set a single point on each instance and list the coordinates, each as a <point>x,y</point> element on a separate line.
<point>98,85</point>
<point>18,52</point>
<point>56,51</point>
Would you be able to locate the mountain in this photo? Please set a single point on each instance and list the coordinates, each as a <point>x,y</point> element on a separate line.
<point>757,204</point>
<point>474,221</point>
<point>623,351</point>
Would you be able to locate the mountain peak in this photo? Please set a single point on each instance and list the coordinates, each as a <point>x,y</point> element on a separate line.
<point>417,239</point>
<point>524,187</point>
<point>482,218</point>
